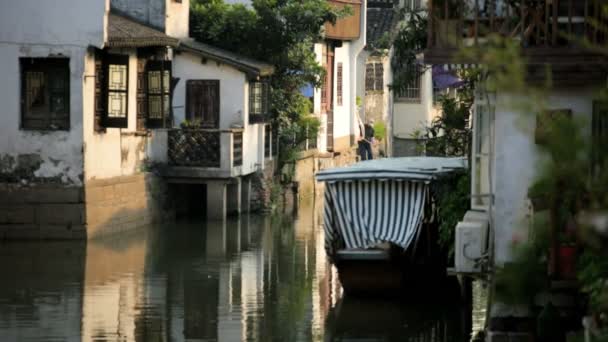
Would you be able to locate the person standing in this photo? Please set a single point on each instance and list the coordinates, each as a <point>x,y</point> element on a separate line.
<point>365,144</point>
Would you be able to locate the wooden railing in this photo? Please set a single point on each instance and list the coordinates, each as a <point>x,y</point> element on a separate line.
<point>194,147</point>
<point>535,23</point>
<point>207,148</point>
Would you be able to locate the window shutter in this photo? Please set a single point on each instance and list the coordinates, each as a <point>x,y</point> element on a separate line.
<point>99,109</point>
<point>158,90</point>
<point>142,103</point>
<point>203,102</point>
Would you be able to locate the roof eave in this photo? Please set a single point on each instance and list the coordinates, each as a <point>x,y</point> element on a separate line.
<point>247,69</point>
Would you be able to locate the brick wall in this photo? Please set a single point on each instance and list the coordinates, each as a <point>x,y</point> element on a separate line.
<point>41,212</point>
<point>124,203</point>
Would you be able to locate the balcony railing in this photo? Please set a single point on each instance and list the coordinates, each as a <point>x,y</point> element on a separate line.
<point>207,148</point>
<point>538,24</point>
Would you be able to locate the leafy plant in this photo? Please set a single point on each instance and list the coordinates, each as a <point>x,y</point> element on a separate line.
<point>452,194</point>
<point>379,130</point>
<point>281,33</point>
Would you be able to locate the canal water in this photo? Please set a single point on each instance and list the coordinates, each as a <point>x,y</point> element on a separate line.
<point>253,279</point>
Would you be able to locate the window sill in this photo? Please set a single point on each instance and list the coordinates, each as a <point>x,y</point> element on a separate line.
<point>44,130</point>
<point>406,100</point>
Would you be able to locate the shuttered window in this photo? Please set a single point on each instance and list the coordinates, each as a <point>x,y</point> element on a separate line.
<point>158,84</point>
<point>116,71</point>
<point>339,84</point>
<point>45,93</point>
<point>203,102</point>
<point>258,101</point>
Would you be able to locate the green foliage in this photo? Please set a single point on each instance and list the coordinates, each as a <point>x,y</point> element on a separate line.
<point>379,130</point>
<point>190,124</point>
<point>409,40</point>
<point>281,33</point>
<point>452,194</point>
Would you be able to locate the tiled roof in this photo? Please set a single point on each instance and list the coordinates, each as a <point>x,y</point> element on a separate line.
<point>380,21</point>
<point>245,64</point>
<point>125,32</point>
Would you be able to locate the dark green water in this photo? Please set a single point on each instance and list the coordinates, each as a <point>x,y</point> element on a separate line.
<point>255,279</point>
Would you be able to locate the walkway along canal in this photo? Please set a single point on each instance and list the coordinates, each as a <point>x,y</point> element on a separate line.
<point>255,279</point>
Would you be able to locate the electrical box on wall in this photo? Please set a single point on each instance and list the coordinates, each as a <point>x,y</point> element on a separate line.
<point>471,242</point>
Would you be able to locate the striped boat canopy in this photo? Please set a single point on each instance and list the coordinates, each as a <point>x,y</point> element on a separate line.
<point>406,168</point>
<point>379,200</point>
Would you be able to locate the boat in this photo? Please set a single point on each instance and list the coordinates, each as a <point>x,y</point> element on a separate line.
<point>380,222</point>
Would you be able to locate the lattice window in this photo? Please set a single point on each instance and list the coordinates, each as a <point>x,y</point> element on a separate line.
<point>340,84</point>
<point>159,92</point>
<point>411,92</point>
<point>117,91</point>
<point>374,76</point>
<point>45,95</point>
<point>258,101</point>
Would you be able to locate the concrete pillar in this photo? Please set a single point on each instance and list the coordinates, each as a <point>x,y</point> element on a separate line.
<point>234,197</point>
<point>246,195</point>
<point>216,200</point>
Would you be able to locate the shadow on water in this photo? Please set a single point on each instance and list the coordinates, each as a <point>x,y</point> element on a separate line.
<point>254,279</point>
<point>434,314</point>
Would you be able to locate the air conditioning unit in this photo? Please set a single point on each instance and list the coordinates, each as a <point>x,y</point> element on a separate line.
<point>471,242</point>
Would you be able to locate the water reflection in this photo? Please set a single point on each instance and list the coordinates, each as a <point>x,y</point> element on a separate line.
<point>254,279</point>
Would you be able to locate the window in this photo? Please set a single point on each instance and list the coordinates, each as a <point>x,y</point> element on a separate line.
<point>258,101</point>
<point>159,92</point>
<point>117,91</point>
<point>203,102</point>
<point>339,85</point>
<point>411,92</point>
<point>599,134</point>
<point>45,93</point>
<point>374,77</point>
<point>482,135</point>
<point>413,5</point>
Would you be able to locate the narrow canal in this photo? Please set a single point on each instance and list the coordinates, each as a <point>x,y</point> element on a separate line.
<point>255,279</point>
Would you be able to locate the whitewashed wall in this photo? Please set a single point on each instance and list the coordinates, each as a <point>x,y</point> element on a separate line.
<point>234,104</point>
<point>30,28</point>
<point>177,18</point>
<point>409,117</point>
<point>516,160</point>
<point>118,151</point>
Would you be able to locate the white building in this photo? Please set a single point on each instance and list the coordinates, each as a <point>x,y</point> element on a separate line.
<point>88,114</point>
<point>226,96</point>
<point>506,154</point>
<point>336,102</point>
<point>406,112</point>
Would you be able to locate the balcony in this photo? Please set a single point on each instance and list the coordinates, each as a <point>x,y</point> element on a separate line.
<point>348,27</point>
<point>549,31</point>
<point>204,153</point>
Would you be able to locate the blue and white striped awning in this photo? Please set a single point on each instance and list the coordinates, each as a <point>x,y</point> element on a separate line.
<point>405,168</point>
<point>379,201</point>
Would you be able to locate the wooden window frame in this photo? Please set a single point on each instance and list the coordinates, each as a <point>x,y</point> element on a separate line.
<point>373,83</point>
<point>339,83</point>
<point>115,122</point>
<point>189,110</point>
<point>162,66</point>
<point>259,117</point>
<point>47,66</point>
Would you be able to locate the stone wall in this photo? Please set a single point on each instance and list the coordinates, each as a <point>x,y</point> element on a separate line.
<point>41,212</point>
<point>124,203</point>
<point>405,147</point>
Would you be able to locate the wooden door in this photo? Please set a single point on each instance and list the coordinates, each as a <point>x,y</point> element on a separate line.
<point>203,102</point>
